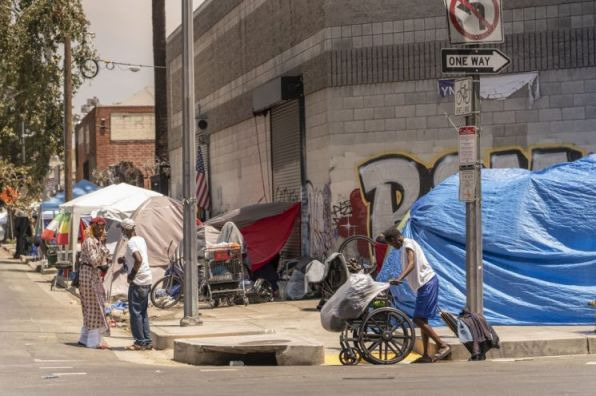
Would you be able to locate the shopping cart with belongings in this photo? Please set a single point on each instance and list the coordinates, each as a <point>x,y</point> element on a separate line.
<point>370,328</point>
<point>224,274</point>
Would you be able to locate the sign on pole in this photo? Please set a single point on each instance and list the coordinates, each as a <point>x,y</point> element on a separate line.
<point>471,60</point>
<point>468,143</point>
<point>475,21</point>
<point>467,185</point>
<point>463,96</point>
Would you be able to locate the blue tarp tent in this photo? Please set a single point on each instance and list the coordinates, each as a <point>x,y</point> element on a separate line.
<point>539,244</point>
<point>80,188</point>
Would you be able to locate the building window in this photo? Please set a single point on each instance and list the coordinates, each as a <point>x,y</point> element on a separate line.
<point>132,126</point>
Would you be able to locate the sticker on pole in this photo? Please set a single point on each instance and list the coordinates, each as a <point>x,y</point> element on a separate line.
<point>468,146</point>
<point>463,96</point>
<point>475,21</point>
<point>467,185</point>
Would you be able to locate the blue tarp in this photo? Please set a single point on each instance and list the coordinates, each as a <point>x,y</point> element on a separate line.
<point>80,188</point>
<point>539,244</point>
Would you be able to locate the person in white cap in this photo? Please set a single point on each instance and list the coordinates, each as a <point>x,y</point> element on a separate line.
<point>136,263</point>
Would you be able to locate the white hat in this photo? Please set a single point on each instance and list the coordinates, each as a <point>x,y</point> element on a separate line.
<point>127,224</point>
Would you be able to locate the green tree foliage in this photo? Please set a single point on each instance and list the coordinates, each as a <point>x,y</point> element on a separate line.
<point>31,77</point>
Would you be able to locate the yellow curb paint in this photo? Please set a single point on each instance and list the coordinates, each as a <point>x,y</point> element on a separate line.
<point>332,359</point>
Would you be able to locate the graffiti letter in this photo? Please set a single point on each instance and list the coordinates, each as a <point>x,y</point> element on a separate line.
<point>391,184</point>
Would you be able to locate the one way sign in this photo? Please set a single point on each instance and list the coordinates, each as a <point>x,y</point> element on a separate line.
<point>475,61</point>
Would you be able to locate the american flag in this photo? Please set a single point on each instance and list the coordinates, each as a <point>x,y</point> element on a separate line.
<point>202,187</point>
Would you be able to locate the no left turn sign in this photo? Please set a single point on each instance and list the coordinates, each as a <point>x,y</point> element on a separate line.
<point>475,21</point>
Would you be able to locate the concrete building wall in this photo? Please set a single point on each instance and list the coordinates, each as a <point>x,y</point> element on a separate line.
<point>389,135</point>
<point>241,165</point>
<point>376,134</point>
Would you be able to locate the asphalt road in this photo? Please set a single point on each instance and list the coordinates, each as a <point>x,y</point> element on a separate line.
<point>39,356</point>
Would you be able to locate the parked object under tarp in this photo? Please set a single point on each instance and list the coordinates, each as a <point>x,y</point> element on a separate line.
<point>265,228</point>
<point>539,244</point>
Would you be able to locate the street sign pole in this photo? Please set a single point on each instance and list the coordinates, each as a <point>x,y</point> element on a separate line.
<point>473,23</point>
<point>191,283</point>
<point>474,264</point>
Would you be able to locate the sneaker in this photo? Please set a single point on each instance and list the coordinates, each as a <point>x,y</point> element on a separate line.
<point>148,347</point>
<point>442,353</point>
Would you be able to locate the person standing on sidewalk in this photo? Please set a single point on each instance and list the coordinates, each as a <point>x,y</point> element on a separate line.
<point>136,263</point>
<point>93,255</point>
<point>423,280</point>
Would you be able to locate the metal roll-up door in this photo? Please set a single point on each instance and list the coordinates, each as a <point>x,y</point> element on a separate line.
<point>286,163</point>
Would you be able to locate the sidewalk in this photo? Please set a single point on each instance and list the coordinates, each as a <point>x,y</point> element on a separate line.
<point>300,319</point>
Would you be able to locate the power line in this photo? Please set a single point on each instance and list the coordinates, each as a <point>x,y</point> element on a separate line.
<point>90,68</point>
<point>108,64</point>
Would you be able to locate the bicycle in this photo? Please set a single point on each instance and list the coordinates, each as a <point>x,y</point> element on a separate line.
<point>168,291</point>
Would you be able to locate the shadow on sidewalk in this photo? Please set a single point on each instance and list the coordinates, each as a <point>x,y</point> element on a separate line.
<point>16,270</point>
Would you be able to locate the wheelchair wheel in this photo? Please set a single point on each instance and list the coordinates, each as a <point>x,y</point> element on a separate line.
<point>359,252</point>
<point>350,357</point>
<point>386,336</point>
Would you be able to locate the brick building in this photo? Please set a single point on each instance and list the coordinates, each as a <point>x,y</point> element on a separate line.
<point>108,135</point>
<point>356,128</point>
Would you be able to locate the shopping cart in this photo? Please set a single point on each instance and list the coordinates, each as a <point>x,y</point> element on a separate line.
<point>224,275</point>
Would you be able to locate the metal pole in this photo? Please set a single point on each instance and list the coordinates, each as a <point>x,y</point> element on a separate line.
<point>67,120</point>
<point>474,264</point>
<point>191,292</point>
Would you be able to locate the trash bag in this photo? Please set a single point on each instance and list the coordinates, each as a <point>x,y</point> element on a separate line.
<point>350,301</point>
<point>315,272</point>
<point>296,288</point>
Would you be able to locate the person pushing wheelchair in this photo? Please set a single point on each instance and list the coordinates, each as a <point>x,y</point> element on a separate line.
<point>423,280</point>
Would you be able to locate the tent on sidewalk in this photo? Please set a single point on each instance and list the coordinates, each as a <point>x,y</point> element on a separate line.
<point>159,220</point>
<point>265,228</point>
<point>123,198</point>
<point>539,244</point>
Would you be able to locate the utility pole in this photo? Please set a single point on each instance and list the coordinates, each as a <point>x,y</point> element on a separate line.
<point>474,263</point>
<point>191,286</point>
<point>67,120</point>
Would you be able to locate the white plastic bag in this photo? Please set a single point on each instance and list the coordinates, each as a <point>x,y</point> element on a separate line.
<point>350,301</point>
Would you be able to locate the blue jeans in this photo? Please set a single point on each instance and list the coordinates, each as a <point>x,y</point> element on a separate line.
<point>138,300</point>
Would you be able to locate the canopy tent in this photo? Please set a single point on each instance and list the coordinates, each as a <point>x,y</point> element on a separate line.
<point>121,197</point>
<point>539,244</point>
<point>160,221</point>
<point>265,227</point>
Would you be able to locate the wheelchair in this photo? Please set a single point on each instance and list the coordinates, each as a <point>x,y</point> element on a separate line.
<point>382,334</point>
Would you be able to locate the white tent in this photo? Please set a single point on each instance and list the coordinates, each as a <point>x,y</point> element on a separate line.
<point>121,197</point>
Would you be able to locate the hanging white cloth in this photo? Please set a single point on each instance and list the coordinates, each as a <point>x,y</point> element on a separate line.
<point>502,87</point>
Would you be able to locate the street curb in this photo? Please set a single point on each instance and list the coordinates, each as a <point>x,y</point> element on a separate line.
<point>579,345</point>
<point>285,350</point>
<point>162,339</point>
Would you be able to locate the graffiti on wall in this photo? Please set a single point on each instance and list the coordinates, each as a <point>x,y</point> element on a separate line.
<point>320,231</point>
<point>286,195</point>
<point>391,183</point>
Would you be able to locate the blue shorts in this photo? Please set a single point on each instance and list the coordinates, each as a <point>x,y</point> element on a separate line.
<point>427,299</point>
